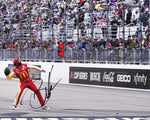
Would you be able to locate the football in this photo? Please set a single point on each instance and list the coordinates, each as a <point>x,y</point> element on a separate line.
<point>7,71</point>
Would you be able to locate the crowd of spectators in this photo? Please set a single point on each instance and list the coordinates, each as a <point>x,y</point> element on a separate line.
<point>21,22</point>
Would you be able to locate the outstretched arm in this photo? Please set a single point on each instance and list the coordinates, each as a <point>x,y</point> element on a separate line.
<point>35,68</point>
<point>11,75</point>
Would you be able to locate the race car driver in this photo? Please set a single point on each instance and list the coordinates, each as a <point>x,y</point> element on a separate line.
<point>21,72</point>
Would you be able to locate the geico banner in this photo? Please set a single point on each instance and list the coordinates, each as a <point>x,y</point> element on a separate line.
<point>133,78</point>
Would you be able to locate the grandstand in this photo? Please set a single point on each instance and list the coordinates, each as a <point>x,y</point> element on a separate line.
<point>96,31</point>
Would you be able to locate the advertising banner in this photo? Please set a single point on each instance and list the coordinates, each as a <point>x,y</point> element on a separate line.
<point>132,78</point>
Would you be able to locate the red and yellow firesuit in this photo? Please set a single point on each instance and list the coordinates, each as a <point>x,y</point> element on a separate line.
<point>22,73</point>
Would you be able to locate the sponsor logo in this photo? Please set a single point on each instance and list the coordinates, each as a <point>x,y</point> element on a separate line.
<point>23,74</point>
<point>140,79</point>
<point>17,71</point>
<point>95,76</point>
<point>72,75</point>
<point>23,67</point>
<point>108,77</point>
<point>79,75</point>
<point>123,78</point>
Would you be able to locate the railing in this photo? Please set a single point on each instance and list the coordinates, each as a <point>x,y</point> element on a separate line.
<point>27,30</point>
<point>102,56</point>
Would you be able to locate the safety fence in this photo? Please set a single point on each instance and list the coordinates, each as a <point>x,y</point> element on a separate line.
<point>103,56</point>
<point>44,22</point>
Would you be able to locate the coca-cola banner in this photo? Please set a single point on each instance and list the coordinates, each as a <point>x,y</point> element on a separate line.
<point>133,78</point>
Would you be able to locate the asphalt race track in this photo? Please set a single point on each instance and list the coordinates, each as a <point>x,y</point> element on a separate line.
<point>73,101</point>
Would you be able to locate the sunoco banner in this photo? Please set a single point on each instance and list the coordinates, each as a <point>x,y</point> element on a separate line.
<point>133,78</point>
